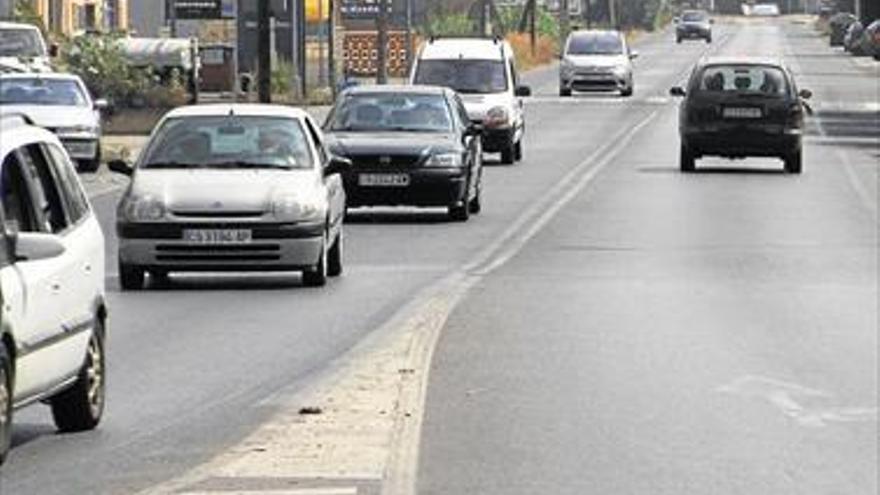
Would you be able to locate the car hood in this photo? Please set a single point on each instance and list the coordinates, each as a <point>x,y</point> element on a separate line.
<point>53,116</point>
<point>223,190</point>
<point>598,60</point>
<point>352,144</point>
<point>478,105</point>
<point>24,64</point>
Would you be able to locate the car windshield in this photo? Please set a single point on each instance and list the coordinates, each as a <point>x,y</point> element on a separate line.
<point>694,17</point>
<point>230,142</point>
<point>595,44</point>
<point>744,79</point>
<point>392,112</point>
<point>42,91</point>
<point>464,76</point>
<point>21,43</point>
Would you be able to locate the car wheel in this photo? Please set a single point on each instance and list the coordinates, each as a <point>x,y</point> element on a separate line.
<point>79,408</point>
<point>709,39</point>
<point>678,40</point>
<point>518,151</point>
<point>628,91</point>
<point>131,277</point>
<point>334,257</point>
<point>460,213</point>
<point>317,276</point>
<point>564,92</point>
<point>90,166</point>
<point>687,162</point>
<point>475,205</point>
<point>508,153</point>
<point>794,162</point>
<point>5,403</point>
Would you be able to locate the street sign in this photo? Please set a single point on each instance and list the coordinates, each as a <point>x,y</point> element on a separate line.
<point>198,9</point>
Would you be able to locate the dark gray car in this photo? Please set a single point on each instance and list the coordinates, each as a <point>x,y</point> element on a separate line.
<point>694,24</point>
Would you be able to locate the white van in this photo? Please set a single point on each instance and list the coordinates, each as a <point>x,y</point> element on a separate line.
<point>483,71</point>
<point>23,49</point>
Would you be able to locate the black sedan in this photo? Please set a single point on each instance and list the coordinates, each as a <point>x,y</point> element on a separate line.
<point>737,108</point>
<point>410,146</point>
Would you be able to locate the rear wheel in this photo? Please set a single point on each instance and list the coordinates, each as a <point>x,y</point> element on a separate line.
<point>5,403</point>
<point>131,277</point>
<point>317,276</point>
<point>709,39</point>
<point>564,92</point>
<point>334,257</point>
<point>678,40</point>
<point>80,407</point>
<point>508,153</point>
<point>687,162</point>
<point>460,213</point>
<point>90,166</point>
<point>518,151</point>
<point>627,91</point>
<point>475,205</point>
<point>794,162</point>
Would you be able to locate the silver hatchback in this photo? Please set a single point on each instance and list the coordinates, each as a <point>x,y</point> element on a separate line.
<point>596,60</point>
<point>232,188</point>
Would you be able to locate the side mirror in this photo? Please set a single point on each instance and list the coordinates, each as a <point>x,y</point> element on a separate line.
<point>805,94</point>
<point>523,91</point>
<point>36,247</point>
<point>120,167</point>
<point>677,91</point>
<point>54,50</point>
<point>337,165</point>
<point>101,104</point>
<point>633,55</point>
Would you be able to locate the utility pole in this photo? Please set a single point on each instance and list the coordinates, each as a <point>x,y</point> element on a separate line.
<point>264,52</point>
<point>382,43</point>
<point>588,14</point>
<point>171,12</point>
<point>331,46</point>
<point>564,21</point>
<point>409,40</point>
<point>612,14</point>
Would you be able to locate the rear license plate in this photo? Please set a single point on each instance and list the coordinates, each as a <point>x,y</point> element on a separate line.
<point>217,236</point>
<point>383,180</point>
<point>742,113</point>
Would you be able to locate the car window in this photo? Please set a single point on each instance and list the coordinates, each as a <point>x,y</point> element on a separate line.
<point>405,112</point>
<point>42,91</point>
<point>755,79</point>
<point>45,191</point>
<point>464,76</point>
<point>694,16</point>
<point>595,44</point>
<point>75,199</point>
<point>16,197</point>
<point>230,142</point>
<point>316,139</point>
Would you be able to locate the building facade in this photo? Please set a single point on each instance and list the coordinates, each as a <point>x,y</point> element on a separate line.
<point>70,17</point>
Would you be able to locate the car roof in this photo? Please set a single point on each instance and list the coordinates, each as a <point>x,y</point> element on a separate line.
<point>17,131</point>
<point>464,48</point>
<point>243,109</point>
<point>399,88</point>
<point>694,11</point>
<point>17,25</point>
<point>59,76</point>
<point>741,60</point>
<point>595,32</point>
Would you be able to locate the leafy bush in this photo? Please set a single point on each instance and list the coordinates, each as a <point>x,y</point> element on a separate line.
<point>449,24</point>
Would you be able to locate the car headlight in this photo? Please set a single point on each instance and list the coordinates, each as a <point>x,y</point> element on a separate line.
<point>447,160</point>
<point>143,209</point>
<point>620,71</point>
<point>567,66</point>
<point>291,208</point>
<point>497,117</point>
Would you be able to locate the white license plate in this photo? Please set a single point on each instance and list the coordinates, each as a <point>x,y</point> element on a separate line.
<point>742,113</point>
<point>383,180</point>
<point>217,236</point>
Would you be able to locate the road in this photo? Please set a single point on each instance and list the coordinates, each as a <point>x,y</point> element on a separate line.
<point>657,333</point>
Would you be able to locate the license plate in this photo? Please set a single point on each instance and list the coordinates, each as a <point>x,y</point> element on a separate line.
<point>383,180</point>
<point>742,113</point>
<point>80,149</point>
<point>217,236</point>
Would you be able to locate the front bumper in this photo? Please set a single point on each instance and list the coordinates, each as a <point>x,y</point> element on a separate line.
<point>743,143</point>
<point>594,81</point>
<point>497,140</point>
<point>693,33</point>
<point>81,148</point>
<point>427,187</point>
<point>274,247</point>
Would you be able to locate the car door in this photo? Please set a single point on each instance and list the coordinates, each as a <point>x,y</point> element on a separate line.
<point>333,183</point>
<point>518,107</point>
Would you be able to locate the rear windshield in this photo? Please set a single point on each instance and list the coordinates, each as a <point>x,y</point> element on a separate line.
<point>595,44</point>
<point>17,42</point>
<point>744,79</point>
<point>694,16</point>
<point>464,76</point>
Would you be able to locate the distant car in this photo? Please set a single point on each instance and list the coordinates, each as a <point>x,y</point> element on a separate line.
<point>870,41</point>
<point>838,25</point>
<point>596,60</point>
<point>23,49</point>
<point>484,72</point>
<point>694,24</point>
<point>409,145</point>
<point>54,311</point>
<point>232,188</point>
<point>764,10</point>
<point>852,39</point>
<point>62,104</point>
<point>736,108</point>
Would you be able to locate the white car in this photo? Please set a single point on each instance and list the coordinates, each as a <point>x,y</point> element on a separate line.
<point>483,71</point>
<point>232,188</point>
<point>762,10</point>
<point>62,104</point>
<point>53,316</point>
<point>23,49</point>
<point>596,60</point>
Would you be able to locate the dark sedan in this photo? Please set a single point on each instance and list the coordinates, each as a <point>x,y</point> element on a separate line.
<point>736,108</point>
<point>694,24</point>
<point>410,146</point>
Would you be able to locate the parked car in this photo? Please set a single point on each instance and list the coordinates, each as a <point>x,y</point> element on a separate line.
<point>409,145</point>
<point>741,107</point>
<point>693,24</point>
<point>53,314</point>
<point>838,25</point>
<point>596,60</point>
<point>232,188</point>
<point>484,72</point>
<point>852,39</point>
<point>870,42</point>
<point>23,49</point>
<point>62,104</point>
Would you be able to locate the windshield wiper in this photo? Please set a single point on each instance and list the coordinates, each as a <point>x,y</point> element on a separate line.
<point>171,165</point>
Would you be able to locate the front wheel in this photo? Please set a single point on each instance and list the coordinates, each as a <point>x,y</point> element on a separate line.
<point>687,162</point>
<point>627,91</point>
<point>317,276</point>
<point>80,407</point>
<point>508,154</point>
<point>709,39</point>
<point>794,162</point>
<point>5,403</point>
<point>564,92</point>
<point>334,257</point>
<point>131,277</point>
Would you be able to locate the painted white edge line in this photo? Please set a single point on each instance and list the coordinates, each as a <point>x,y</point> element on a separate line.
<point>301,491</point>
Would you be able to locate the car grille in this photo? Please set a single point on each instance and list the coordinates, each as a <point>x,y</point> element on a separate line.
<point>378,161</point>
<point>218,254</point>
<point>218,214</point>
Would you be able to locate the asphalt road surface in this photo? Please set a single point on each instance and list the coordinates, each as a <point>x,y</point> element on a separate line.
<point>662,333</point>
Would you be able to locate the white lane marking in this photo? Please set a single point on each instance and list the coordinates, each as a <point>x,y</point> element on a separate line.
<point>790,399</point>
<point>299,491</point>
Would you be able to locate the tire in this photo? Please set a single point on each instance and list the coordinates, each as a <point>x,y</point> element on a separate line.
<point>518,151</point>
<point>317,276</point>
<point>90,166</point>
<point>564,92</point>
<point>475,205</point>
<point>628,91</point>
<point>5,403</point>
<point>709,40</point>
<point>131,277</point>
<point>334,257</point>
<point>794,162</point>
<point>508,153</point>
<point>80,407</point>
<point>687,162</point>
<point>460,213</point>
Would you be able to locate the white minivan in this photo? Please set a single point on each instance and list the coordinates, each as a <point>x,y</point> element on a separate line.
<point>53,313</point>
<point>483,71</point>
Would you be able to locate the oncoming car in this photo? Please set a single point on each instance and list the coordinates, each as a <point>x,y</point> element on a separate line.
<point>741,107</point>
<point>596,60</point>
<point>694,24</point>
<point>232,188</point>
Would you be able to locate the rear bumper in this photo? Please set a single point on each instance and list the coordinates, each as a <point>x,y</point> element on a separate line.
<point>426,188</point>
<point>693,34</point>
<point>738,144</point>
